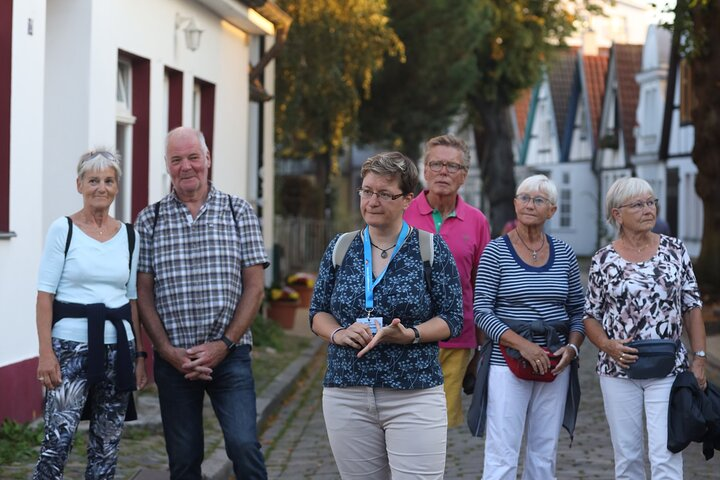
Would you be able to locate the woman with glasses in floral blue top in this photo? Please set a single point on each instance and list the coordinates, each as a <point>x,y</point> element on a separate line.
<point>383,399</point>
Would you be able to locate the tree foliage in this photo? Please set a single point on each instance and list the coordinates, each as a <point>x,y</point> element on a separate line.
<point>416,99</point>
<point>510,58</point>
<point>332,52</point>
<point>697,28</point>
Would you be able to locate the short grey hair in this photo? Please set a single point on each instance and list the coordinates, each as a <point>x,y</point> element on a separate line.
<point>198,133</point>
<point>539,183</point>
<point>622,190</point>
<point>448,140</point>
<point>395,165</point>
<point>99,159</point>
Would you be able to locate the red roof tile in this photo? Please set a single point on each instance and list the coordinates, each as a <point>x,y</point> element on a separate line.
<point>522,109</point>
<point>595,69</point>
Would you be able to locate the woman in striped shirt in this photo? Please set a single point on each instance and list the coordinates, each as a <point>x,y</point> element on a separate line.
<point>529,301</point>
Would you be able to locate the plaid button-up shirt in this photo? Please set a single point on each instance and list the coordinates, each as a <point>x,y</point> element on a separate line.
<point>197,263</point>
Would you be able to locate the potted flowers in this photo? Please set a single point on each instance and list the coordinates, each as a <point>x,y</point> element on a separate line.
<point>303,283</point>
<point>283,303</point>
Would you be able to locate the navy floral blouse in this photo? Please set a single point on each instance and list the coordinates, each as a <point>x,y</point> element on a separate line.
<point>645,300</point>
<point>402,293</point>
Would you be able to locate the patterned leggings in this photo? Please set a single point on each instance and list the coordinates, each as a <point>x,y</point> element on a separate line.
<point>64,406</point>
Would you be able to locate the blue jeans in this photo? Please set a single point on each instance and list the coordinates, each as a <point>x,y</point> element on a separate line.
<point>232,393</point>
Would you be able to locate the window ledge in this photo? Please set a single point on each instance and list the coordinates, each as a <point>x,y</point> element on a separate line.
<point>7,235</point>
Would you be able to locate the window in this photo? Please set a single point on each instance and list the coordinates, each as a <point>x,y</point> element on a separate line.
<point>173,97</point>
<point>132,133</point>
<point>565,207</point>
<point>203,115</point>
<point>5,81</point>
<point>583,125</point>
<point>687,98</point>
<point>124,121</point>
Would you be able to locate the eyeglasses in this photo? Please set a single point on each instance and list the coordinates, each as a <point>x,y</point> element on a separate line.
<point>537,201</point>
<point>366,194</point>
<point>452,167</point>
<point>639,205</point>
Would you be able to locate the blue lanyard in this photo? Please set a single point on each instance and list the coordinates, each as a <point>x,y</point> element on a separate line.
<point>369,283</point>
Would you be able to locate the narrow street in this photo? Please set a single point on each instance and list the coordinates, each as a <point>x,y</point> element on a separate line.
<point>296,444</point>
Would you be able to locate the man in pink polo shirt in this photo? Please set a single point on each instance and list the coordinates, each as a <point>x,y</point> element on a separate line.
<point>441,210</point>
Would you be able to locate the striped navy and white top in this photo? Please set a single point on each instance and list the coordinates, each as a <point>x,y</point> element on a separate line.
<point>506,288</point>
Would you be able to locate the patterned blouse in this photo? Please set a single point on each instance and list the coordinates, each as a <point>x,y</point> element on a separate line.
<point>402,293</point>
<point>645,300</point>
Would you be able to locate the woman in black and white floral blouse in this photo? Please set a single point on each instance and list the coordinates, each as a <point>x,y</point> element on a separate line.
<point>641,287</point>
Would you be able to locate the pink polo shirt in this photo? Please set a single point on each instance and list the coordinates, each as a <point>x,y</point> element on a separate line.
<point>466,232</point>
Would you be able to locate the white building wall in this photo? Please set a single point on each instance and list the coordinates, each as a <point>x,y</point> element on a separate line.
<point>66,114</point>
<point>581,143</point>
<point>19,255</point>
<point>578,180</point>
<point>690,206</point>
<point>64,102</point>
<point>543,146</point>
<point>624,21</point>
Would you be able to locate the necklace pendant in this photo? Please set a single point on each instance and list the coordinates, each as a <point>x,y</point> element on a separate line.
<point>383,253</point>
<point>534,255</point>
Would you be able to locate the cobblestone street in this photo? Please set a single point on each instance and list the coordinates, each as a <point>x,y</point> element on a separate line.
<point>296,444</point>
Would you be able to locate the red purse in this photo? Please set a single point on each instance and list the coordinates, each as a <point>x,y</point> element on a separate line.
<point>522,369</point>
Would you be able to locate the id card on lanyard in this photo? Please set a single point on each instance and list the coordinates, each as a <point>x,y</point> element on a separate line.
<point>369,283</point>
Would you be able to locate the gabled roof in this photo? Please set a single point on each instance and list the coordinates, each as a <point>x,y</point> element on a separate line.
<point>594,76</point>
<point>561,73</point>
<point>522,110</point>
<point>628,62</point>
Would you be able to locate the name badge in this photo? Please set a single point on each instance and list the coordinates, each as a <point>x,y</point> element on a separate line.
<point>370,322</point>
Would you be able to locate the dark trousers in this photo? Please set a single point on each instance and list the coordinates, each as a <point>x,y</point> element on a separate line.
<point>232,393</point>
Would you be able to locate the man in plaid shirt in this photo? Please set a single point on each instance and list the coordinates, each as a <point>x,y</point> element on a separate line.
<point>200,285</point>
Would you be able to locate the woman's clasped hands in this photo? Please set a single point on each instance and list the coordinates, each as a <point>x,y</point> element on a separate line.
<point>360,337</point>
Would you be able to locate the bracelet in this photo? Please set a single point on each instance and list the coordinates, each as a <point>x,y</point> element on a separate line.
<point>332,335</point>
<point>574,347</point>
<point>141,354</point>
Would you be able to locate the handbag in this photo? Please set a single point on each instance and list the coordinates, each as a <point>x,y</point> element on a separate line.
<point>656,358</point>
<point>522,369</point>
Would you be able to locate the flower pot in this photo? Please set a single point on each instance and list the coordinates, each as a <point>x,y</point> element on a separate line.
<point>283,313</point>
<point>305,294</point>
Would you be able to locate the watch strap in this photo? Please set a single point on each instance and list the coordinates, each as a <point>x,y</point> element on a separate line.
<point>417,335</point>
<point>228,343</point>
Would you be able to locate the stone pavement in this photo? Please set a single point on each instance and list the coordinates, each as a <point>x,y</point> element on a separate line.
<point>296,445</point>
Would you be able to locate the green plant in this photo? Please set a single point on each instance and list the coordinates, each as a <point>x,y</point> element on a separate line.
<point>18,441</point>
<point>266,333</point>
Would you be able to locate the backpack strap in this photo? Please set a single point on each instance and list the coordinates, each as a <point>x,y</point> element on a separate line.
<point>341,247</point>
<point>156,207</point>
<point>69,235</point>
<point>131,242</point>
<point>130,234</point>
<point>232,211</point>
<point>427,253</point>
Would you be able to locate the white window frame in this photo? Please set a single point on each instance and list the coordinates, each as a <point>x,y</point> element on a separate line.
<point>124,122</point>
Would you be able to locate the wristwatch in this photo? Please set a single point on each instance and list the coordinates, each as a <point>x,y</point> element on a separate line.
<point>700,353</point>
<point>417,335</point>
<point>229,343</point>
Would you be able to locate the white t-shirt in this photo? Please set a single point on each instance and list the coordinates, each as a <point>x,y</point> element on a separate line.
<point>92,272</point>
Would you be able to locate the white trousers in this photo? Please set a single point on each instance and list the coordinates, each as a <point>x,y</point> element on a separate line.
<point>513,404</point>
<point>384,433</point>
<point>624,401</point>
